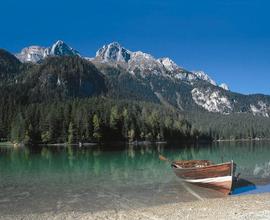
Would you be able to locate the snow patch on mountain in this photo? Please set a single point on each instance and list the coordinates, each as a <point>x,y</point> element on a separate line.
<point>261,109</point>
<point>191,78</point>
<point>145,63</point>
<point>180,76</point>
<point>224,86</point>
<point>212,101</point>
<point>168,64</point>
<point>89,58</point>
<point>203,76</point>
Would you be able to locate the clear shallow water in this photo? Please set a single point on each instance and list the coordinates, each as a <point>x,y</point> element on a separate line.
<point>40,179</point>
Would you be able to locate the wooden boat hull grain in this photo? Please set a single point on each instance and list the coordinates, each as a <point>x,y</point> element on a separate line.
<point>218,177</point>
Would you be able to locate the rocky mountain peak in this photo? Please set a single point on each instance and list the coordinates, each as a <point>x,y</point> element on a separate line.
<point>36,53</point>
<point>60,48</point>
<point>224,86</point>
<point>113,52</point>
<point>31,54</point>
<point>146,63</point>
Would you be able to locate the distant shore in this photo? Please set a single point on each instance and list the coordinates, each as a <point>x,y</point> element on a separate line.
<point>134,143</point>
<point>6,143</point>
<point>231,207</point>
<point>242,140</point>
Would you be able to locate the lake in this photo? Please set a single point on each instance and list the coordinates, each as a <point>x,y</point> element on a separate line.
<point>93,178</point>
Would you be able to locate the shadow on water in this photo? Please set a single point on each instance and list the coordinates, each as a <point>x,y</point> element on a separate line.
<point>94,178</point>
<point>243,186</point>
<point>252,186</point>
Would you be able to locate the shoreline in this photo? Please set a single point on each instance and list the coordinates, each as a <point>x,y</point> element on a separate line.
<point>231,207</point>
<point>134,143</point>
<point>242,140</point>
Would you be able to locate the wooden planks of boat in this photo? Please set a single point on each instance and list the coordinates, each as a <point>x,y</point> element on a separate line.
<point>206,174</point>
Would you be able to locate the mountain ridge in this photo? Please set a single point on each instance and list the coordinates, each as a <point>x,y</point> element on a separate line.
<point>112,52</point>
<point>61,83</point>
<point>162,79</point>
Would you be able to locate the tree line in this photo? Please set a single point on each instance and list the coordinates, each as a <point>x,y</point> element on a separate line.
<point>93,119</point>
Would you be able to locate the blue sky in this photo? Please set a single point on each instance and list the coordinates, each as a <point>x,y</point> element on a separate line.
<point>228,39</point>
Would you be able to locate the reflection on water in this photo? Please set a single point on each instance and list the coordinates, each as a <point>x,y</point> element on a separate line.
<point>94,178</point>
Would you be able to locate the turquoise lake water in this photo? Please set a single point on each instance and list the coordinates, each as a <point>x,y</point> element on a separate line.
<point>93,178</point>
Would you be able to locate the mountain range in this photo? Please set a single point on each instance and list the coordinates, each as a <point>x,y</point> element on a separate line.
<point>54,94</point>
<point>139,76</point>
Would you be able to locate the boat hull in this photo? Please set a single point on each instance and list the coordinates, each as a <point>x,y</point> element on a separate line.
<point>218,177</point>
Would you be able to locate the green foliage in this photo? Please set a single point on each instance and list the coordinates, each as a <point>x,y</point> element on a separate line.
<point>233,126</point>
<point>131,135</point>
<point>114,117</point>
<point>70,133</point>
<point>96,124</point>
<point>45,137</point>
<point>18,129</point>
<point>95,119</point>
<point>9,67</point>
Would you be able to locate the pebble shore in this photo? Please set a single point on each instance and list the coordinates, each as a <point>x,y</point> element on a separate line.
<point>231,207</point>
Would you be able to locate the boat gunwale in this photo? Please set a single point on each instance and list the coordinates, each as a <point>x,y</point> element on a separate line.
<point>213,165</point>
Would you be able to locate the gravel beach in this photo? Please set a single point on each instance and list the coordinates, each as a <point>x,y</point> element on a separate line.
<point>232,207</point>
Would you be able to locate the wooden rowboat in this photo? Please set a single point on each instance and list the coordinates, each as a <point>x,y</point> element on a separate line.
<point>206,174</point>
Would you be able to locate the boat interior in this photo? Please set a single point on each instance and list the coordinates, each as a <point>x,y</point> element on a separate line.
<point>191,163</point>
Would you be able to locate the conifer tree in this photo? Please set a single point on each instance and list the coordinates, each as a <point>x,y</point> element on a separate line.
<point>70,133</point>
<point>96,124</point>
